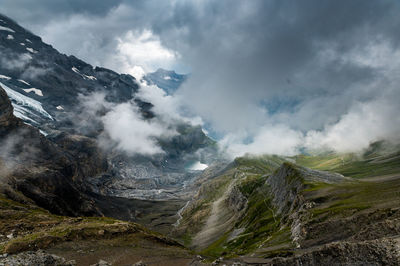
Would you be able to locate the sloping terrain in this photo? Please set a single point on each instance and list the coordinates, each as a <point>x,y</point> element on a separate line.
<point>62,95</point>
<point>288,214</point>
<point>86,240</point>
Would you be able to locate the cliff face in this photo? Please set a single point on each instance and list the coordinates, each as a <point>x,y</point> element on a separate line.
<point>46,90</point>
<point>40,169</point>
<point>6,110</point>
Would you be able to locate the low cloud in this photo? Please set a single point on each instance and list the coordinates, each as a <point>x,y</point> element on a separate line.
<point>121,125</point>
<point>14,61</point>
<point>15,152</point>
<point>132,133</point>
<point>168,108</point>
<point>22,63</point>
<point>363,124</point>
<point>267,76</point>
<point>277,139</point>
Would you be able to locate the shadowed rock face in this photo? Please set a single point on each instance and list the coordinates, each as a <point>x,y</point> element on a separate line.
<point>40,169</point>
<point>6,110</point>
<point>289,180</point>
<point>61,79</point>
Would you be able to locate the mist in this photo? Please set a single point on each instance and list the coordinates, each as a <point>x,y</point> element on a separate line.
<point>265,76</point>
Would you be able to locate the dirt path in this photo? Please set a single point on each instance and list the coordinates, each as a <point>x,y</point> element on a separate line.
<point>217,222</point>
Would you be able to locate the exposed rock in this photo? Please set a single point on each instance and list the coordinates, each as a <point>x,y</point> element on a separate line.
<point>102,263</point>
<point>375,252</point>
<point>289,180</point>
<point>37,258</point>
<point>6,109</point>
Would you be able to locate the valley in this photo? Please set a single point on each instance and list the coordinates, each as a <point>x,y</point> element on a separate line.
<point>71,193</point>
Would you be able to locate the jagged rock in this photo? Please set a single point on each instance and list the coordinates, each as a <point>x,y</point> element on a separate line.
<point>376,252</point>
<point>102,263</point>
<point>6,109</point>
<point>289,179</point>
<point>139,263</point>
<point>39,169</point>
<point>37,258</point>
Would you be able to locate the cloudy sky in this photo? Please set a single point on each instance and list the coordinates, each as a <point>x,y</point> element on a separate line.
<point>266,76</point>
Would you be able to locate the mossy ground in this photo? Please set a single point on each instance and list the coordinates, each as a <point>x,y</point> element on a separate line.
<point>27,227</point>
<point>353,165</point>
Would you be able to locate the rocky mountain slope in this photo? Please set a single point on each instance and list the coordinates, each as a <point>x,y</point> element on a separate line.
<point>57,93</point>
<point>167,80</point>
<point>267,210</point>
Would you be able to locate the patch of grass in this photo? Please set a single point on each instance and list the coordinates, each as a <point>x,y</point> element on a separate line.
<point>250,183</point>
<point>217,248</point>
<point>264,164</point>
<point>353,165</point>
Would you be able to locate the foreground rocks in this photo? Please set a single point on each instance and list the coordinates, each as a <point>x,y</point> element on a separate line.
<point>37,258</point>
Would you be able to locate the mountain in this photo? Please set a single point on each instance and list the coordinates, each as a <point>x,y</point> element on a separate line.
<point>46,89</point>
<point>167,80</point>
<point>62,176</point>
<point>271,211</point>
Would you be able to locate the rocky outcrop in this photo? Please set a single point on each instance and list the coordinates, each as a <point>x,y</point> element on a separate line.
<point>375,252</point>
<point>6,109</point>
<point>289,180</point>
<point>39,168</point>
<point>38,258</point>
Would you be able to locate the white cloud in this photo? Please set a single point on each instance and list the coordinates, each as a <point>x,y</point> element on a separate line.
<point>132,133</point>
<point>167,107</point>
<point>123,126</point>
<point>365,123</point>
<point>143,48</point>
<point>14,61</point>
<point>273,139</point>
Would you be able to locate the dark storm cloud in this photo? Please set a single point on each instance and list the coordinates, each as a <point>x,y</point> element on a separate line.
<point>307,70</point>
<point>29,12</point>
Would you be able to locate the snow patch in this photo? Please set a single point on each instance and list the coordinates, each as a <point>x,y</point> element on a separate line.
<point>28,40</point>
<point>6,29</point>
<point>198,166</point>
<point>23,44</point>
<point>10,37</point>
<point>4,77</point>
<point>83,75</point>
<point>36,91</point>
<point>24,105</point>
<point>76,70</point>
<point>89,77</point>
<point>59,107</point>
<point>43,132</point>
<point>31,50</point>
<point>167,77</point>
<point>23,81</point>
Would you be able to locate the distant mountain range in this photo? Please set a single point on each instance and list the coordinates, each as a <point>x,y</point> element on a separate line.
<point>167,80</point>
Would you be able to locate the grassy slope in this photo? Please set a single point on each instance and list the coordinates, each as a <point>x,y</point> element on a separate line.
<point>373,162</point>
<point>258,226</point>
<point>267,235</point>
<point>27,227</point>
